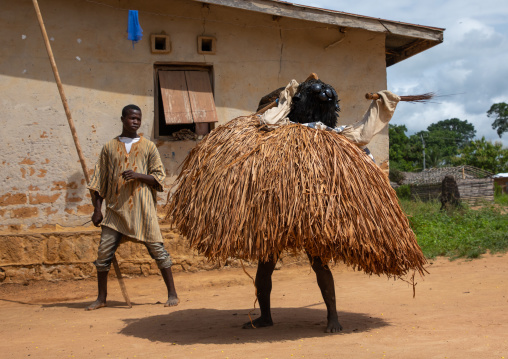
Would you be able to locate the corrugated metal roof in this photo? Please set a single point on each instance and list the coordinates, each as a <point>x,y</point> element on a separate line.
<point>403,40</point>
<point>356,15</point>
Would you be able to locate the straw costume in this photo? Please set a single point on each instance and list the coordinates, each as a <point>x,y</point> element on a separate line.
<point>265,183</point>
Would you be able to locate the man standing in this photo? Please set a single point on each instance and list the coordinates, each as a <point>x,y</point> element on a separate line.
<point>127,175</point>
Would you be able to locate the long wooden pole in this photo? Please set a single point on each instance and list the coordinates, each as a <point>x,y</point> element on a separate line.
<point>74,133</point>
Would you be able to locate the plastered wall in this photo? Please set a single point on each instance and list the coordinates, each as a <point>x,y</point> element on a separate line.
<point>41,179</point>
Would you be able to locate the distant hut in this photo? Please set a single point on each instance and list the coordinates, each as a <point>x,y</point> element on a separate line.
<point>501,179</point>
<point>474,184</point>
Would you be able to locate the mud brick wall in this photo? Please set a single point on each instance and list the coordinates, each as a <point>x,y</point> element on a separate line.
<point>59,255</point>
<point>68,254</point>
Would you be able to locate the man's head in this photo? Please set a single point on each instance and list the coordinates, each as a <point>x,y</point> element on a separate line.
<point>130,107</point>
<point>131,118</point>
<point>315,101</point>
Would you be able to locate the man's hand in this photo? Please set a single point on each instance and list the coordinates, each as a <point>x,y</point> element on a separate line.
<point>97,218</point>
<point>97,205</point>
<point>130,175</point>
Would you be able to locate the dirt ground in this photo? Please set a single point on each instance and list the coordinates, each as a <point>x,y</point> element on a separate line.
<point>460,311</point>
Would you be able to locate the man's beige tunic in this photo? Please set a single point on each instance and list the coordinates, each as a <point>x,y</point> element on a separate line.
<point>130,205</point>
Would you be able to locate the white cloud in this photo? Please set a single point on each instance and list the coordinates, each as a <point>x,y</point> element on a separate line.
<point>464,29</point>
<point>415,119</point>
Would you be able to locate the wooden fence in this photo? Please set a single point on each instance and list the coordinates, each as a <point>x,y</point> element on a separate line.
<point>472,191</point>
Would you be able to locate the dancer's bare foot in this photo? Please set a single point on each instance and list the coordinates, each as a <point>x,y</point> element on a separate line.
<point>258,323</point>
<point>172,301</point>
<point>96,305</point>
<point>333,326</point>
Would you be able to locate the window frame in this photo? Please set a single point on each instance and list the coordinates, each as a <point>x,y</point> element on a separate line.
<point>205,67</point>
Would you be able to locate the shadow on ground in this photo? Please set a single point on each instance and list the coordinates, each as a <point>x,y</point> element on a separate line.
<point>212,326</point>
<point>82,305</point>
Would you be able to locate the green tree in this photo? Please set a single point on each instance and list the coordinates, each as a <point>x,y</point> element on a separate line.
<point>499,111</point>
<point>462,132</point>
<point>485,155</point>
<point>403,154</point>
<point>433,157</point>
<point>398,142</point>
<point>444,139</point>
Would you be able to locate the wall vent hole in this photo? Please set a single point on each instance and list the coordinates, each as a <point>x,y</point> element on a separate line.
<point>206,45</point>
<point>160,43</point>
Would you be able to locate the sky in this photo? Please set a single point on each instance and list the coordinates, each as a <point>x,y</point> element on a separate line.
<point>469,70</point>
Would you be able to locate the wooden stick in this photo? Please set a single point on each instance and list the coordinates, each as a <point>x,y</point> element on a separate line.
<point>74,133</point>
<point>372,96</point>
<point>121,282</point>
<point>312,76</point>
<point>267,107</point>
<point>413,98</point>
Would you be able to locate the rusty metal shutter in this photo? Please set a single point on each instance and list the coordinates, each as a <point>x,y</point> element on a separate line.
<point>175,97</point>
<point>187,97</point>
<point>201,96</point>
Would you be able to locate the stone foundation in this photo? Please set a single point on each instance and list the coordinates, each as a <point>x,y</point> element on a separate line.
<point>68,254</point>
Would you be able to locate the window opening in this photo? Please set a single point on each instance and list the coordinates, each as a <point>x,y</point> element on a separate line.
<point>184,102</point>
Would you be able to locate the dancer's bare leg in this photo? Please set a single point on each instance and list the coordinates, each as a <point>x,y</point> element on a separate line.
<point>264,288</point>
<point>326,285</point>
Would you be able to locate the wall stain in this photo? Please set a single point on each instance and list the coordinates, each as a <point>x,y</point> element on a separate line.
<point>42,173</point>
<point>26,161</point>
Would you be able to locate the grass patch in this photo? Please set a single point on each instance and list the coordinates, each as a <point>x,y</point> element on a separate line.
<point>461,233</point>
<point>501,199</point>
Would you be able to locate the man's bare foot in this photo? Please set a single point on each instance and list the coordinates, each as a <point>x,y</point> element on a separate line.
<point>96,305</point>
<point>258,323</point>
<point>333,326</point>
<point>172,301</point>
